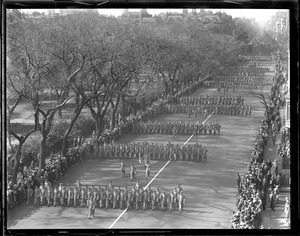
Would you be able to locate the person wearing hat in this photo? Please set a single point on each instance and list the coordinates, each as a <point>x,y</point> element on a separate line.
<point>287,209</point>
<point>172,201</point>
<point>96,196</point>
<point>83,196</point>
<point>76,195</point>
<point>147,175</point>
<point>145,199</point>
<point>90,206</point>
<point>108,198</point>
<point>272,201</point>
<point>42,195</point>
<point>29,192</point>
<point>122,199</point>
<point>181,201</point>
<point>276,194</point>
<point>115,198</point>
<point>36,195</point>
<point>123,169</point>
<point>62,195</point>
<point>56,196</point>
<point>163,201</point>
<point>50,195</point>
<point>154,200</point>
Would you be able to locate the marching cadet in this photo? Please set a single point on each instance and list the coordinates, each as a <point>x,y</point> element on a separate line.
<point>110,185</point>
<point>50,194</point>
<point>179,188</point>
<point>70,196</point>
<point>56,196</point>
<point>116,197</point>
<point>60,187</point>
<point>108,198</point>
<point>147,175</point>
<point>122,199</point>
<point>181,201</point>
<point>163,201</point>
<point>83,197</point>
<point>174,132</point>
<point>76,196</point>
<point>62,195</point>
<point>42,195</point>
<point>137,185</point>
<point>89,194</point>
<point>122,169</point>
<point>132,172</point>
<point>137,198</point>
<point>172,201</point>
<point>129,198</point>
<point>102,198</point>
<point>96,196</point>
<point>29,192</point>
<point>91,206</point>
<point>154,200</point>
<point>145,199</point>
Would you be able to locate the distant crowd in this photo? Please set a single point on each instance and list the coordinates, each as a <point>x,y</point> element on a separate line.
<point>260,186</point>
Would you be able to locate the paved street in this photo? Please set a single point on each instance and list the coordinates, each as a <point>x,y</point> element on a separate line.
<point>210,188</point>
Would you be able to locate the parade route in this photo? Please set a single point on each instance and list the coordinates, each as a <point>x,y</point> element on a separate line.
<point>210,188</point>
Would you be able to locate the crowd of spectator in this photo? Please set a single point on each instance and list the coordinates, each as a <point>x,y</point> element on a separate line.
<point>284,148</point>
<point>260,185</point>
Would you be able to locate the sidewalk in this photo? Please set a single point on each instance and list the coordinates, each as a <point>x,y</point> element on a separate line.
<point>275,219</point>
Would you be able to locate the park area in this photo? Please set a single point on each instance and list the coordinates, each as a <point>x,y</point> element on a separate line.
<point>209,187</point>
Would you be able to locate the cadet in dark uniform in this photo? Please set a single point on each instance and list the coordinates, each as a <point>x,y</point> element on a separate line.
<point>122,169</point>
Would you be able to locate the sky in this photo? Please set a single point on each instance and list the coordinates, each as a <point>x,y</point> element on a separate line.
<point>261,15</point>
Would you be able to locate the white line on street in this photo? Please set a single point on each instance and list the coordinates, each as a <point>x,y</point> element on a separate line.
<point>112,225</point>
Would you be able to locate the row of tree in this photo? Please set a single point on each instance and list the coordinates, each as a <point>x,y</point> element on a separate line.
<point>97,61</point>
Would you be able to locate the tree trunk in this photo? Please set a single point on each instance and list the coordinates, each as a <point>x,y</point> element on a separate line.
<point>43,152</point>
<point>9,142</point>
<point>99,126</point>
<point>124,108</point>
<point>66,134</point>
<point>77,100</point>
<point>113,119</point>
<point>17,157</point>
<point>60,113</point>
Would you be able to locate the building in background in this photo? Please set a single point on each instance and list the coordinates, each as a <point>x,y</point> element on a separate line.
<point>138,17</point>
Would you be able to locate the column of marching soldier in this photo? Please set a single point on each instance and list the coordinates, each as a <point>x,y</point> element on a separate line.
<point>80,151</point>
<point>154,151</point>
<point>249,77</point>
<point>177,128</point>
<point>206,105</point>
<point>108,196</point>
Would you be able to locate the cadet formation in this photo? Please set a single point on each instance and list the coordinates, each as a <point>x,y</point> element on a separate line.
<point>204,105</point>
<point>177,128</point>
<point>153,151</point>
<point>109,196</point>
<point>250,76</point>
